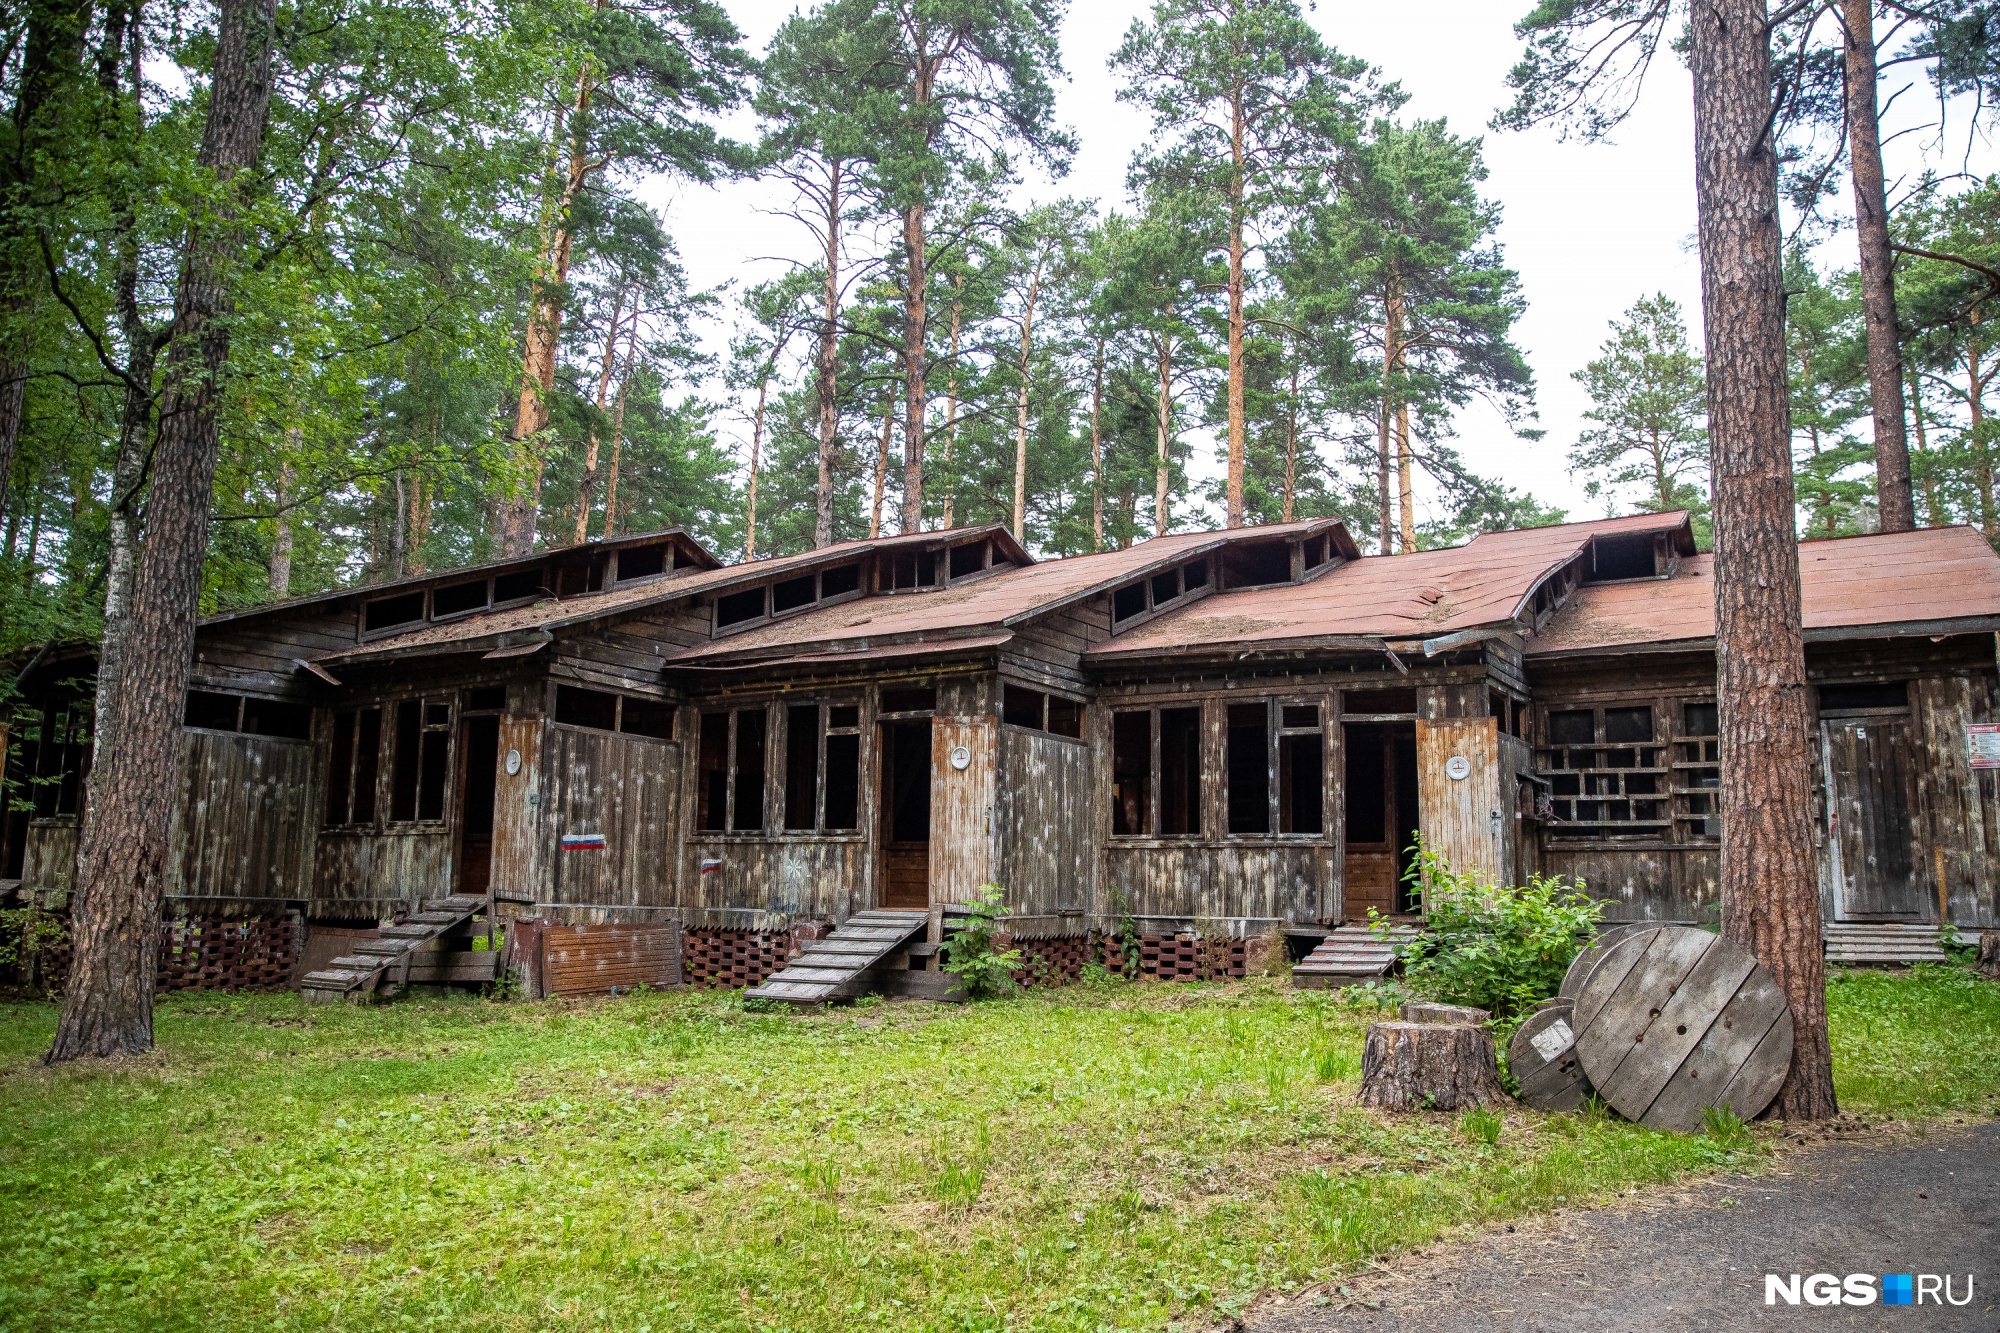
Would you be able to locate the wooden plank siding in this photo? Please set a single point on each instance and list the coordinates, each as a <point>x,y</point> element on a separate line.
<point>963,805</point>
<point>520,837</point>
<point>245,825</point>
<point>366,875</point>
<point>1462,817</point>
<point>49,854</point>
<point>1043,848</point>
<point>625,788</point>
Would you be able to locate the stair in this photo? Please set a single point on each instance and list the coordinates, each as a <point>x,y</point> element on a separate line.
<point>836,967</point>
<point>1894,943</point>
<point>1349,956</point>
<point>389,961</point>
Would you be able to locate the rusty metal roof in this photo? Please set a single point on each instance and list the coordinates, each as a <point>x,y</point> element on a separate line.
<point>997,600</point>
<point>1927,581</point>
<point>468,632</point>
<point>1421,595</point>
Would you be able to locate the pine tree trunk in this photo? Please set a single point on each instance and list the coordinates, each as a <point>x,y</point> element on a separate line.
<point>121,862</point>
<point>1770,891</point>
<point>1975,402</point>
<point>1021,408</point>
<point>280,571</point>
<point>1097,452</point>
<point>828,385</point>
<point>1163,465</point>
<point>1234,496</point>
<point>756,460</point>
<point>1932,518</point>
<point>618,430</point>
<point>1406,490</point>
<point>915,276</point>
<point>882,470</point>
<point>951,402</point>
<point>1291,445</point>
<point>589,483</point>
<point>1878,270</point>
<point>1392,352</point>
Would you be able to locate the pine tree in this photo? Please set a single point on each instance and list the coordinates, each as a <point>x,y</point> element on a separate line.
<point>1648,406</point>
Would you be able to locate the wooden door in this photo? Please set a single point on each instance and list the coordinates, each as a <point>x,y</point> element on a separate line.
<point>1870,795</point>
<point>1458,793</point>
<point>518,860</point>
<point>906,814</point>
<point>962,801</point>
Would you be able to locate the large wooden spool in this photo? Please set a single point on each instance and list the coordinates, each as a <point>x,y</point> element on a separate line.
<point>1673,1020</point>
<point>1590,955</point>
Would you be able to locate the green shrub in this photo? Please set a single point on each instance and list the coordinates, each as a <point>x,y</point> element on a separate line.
<point>970,953</point>
<point>1498,948</point>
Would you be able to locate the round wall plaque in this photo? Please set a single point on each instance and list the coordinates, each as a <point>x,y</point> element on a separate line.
<point>961,758</point>
<point>1458,768</point>
<point>513,762</point>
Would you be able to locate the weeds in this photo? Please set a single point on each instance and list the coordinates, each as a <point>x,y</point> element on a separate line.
<point>1482,1125</point>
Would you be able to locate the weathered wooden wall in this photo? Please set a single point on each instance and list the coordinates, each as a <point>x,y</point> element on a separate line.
<point>50,860</point>
<point>626,788</point>
<point>1462,818</point>
<point>364,875</point>
<point>1044,846</point>
<point>520,833</point>
<point>245,824</point>
<point>963,803</point>
<point>1958,808</point>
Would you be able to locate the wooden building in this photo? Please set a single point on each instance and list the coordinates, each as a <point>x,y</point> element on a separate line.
<point>1224,731</point>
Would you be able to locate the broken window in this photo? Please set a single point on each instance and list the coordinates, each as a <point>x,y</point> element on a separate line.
<point>1608,770</point>
<point>1023,707</point>
<point>967,558</point>
<point>1180,771</point>
<point>1255,564</point>
<point>422,758</point>
<point>910,699</point>
<point>736,607</point>
<point>822,767</point>
<point>389,612</point>
<point>641,562</point>
<point>256,717</point>
<point>912,570</point>
<point>791,594</point>
<point>514,587</point>
<point>455,599</point>
<point>1131,773</point>
<point>1065,717</point>
<point>354,760</point>
<point>1275,768</point>
<point>1698,773</point>
<point>600,710</point>
<point>1158,591</point>
<point>1863,698</point>
<point>839,580</point>
<point>1248,775</point>
<point>731,770</point>
<point>55,758</point>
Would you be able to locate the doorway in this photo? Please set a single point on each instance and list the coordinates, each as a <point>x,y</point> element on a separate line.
<point>1380,817</point>
<point>906,814</point>
<point>1871,793</point>
<point>479,743</point>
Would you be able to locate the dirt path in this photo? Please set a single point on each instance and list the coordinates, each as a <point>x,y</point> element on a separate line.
<point>1695,1259</point>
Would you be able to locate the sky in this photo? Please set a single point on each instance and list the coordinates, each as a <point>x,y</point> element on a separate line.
<point>1590,227</point>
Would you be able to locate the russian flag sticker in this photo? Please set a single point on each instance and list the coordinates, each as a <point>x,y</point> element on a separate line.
<point>583,842</point>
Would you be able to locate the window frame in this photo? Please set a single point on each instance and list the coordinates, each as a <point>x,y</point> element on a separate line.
<point>1156,794</point>
<point>1686,807</point>
<point>732,774</point>
<point>448,728</point>
<point>1047,700</point>
<point>823,731</point>
<point>1187,594</point>
<point>1275,732</point>
<point>352,787</point>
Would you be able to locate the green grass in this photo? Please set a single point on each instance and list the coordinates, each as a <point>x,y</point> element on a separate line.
<point>1117,1157</point>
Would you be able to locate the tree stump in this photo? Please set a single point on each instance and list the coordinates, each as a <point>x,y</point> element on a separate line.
<point>1424,1011</point>
<point>1989,955</point>
<point>1542,1058</point>
<point>1429,1067</point>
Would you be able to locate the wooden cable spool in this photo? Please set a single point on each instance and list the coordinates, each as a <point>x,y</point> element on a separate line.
<point>1542,1057</point>
<point>1591,954</point>
<point>1673,1020</point>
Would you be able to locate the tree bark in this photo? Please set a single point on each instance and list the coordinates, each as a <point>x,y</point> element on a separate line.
<point>121,863</point>
<point>1429,1066</point>
<point>618,430</point>
<point>1097,452</point>
<point>1878,271</point>
<point>280,571</point>
<point>1234,497</point>
<point>589,482</point>
<point>519,511</point>
<point>756,458</point>
<point>951,399</point>
<point>1932,517</point>
<point>916,275</point>
<point>1975,403</point>
<point>828,385</point>
<point>1406,490</point>
<point>1163,409</point>
<point>1291,445</point>
<point>882,470</point>
<point>1770,892</point>
<point>1021,405</point>
<point>1392,351</point>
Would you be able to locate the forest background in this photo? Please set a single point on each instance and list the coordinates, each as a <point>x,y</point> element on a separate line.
<point>524,272</point>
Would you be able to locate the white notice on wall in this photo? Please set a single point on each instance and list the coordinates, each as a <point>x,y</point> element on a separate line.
<point>1982,742</point>
<point>1553,1041</point>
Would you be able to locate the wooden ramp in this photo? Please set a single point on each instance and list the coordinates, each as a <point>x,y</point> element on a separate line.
<point>410,950</point>
<point>1349,956</point>
<point>1890,943</point>
<point>836,968</point>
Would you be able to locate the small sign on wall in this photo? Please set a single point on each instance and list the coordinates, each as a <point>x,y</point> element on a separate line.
<point>583,842</point>
<point>1982,742</point>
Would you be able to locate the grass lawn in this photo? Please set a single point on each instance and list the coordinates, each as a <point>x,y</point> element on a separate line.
<point>1111,1157</point>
